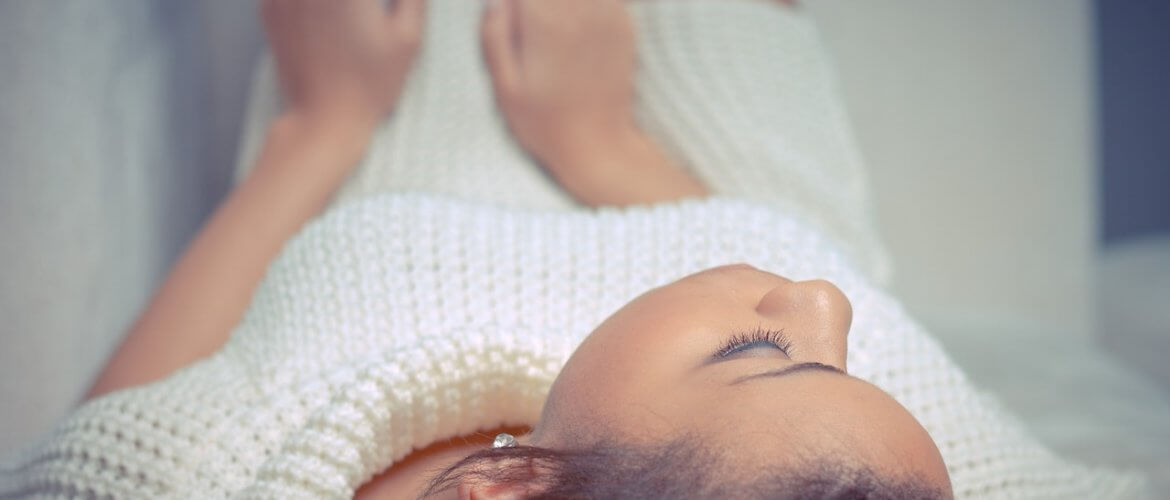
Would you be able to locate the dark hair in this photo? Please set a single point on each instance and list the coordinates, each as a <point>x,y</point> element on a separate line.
<point>680,469</point>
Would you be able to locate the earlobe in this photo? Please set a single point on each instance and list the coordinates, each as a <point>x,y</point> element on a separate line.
<point>464,491</point>
<point>488,491</point>
<point>497,478</point>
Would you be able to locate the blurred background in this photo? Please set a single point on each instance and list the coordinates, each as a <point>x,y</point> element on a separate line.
<point>1019,154</point>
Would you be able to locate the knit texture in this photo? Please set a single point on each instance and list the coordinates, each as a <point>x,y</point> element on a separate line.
<point>737,91</point>
<point>399,320</point>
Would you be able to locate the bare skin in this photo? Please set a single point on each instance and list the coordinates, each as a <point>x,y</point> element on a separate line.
<point>342,65</point>
<point>656,370</point>
<point>563,74</point>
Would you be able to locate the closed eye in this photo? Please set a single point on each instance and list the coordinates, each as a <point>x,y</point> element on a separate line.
<point>755,339</point>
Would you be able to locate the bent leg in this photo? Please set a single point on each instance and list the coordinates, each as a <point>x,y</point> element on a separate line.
<point>444,136</point>
<point>742,93</point>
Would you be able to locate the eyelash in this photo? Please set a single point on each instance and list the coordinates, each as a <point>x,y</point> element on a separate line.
<point>741,341</point>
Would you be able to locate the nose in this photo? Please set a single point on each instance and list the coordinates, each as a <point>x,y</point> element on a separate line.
<point>814,295</point>
<point>814,313</point>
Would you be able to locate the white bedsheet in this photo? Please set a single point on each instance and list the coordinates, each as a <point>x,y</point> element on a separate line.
<point>1078,398</point>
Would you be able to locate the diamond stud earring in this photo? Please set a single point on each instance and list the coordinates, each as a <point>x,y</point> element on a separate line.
<point>504,440</point>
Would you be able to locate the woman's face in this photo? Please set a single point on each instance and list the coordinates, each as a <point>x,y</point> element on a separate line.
<point>744,360</point>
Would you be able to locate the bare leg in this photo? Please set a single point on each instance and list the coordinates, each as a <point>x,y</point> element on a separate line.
<point>743,95</point>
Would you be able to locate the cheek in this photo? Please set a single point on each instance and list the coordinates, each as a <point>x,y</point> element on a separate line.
<point>603,369</point>
<point>657,338</point>
<point>586,400</point>
<point>606,378</point>
<point>644,351</point>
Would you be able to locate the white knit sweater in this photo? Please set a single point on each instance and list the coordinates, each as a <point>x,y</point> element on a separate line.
<point>399,320</point>
<point>737,91</point>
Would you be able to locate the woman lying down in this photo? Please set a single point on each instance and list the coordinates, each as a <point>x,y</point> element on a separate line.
<point>452,326</point>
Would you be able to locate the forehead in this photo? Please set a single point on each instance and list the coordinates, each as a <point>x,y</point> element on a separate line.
<point>779,422</point>
<point>822,416</point>
<point>808,412</point>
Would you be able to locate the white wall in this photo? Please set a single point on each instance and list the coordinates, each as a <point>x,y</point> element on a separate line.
<point>116,124</point>
<point>976,121</point>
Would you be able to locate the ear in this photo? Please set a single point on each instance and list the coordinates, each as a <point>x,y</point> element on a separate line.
<point>489,491</point>
<point>521,481</point>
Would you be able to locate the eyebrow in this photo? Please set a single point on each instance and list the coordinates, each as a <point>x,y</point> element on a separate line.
<point>789,370</point>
